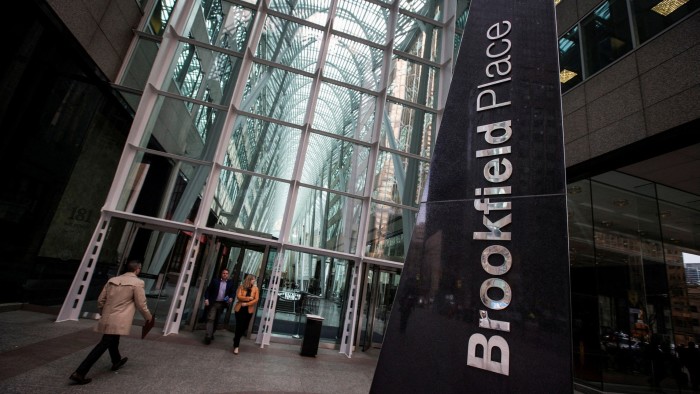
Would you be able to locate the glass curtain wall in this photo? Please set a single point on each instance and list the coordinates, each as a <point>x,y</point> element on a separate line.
<point>308,125</point>
<point>635,253</point>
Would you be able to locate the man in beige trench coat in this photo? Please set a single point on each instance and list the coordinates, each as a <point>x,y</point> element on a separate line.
<point>118,302</point>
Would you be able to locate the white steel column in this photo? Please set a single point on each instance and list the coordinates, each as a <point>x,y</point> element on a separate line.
<point>347,342</point>
<point>76,295</point>
<point>177,305</point>
<point>270,303</point>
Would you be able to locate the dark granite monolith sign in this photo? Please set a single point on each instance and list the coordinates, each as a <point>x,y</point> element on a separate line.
<point>483,304</point>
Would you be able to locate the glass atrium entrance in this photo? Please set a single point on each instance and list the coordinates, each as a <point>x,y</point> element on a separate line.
<point>304,128</point>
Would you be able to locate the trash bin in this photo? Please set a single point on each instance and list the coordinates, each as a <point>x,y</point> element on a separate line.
<point>312,335</point>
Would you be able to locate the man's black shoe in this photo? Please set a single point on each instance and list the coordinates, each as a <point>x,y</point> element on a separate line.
<point>119,364</point>
<point>207,340</point>
<point>80,379</point>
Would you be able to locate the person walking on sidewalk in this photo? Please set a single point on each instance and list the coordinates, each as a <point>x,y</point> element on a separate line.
<point>247,296</point>
<point>217,297</point>
<point>118,301</point>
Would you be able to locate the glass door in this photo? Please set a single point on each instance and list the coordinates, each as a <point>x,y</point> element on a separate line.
<point>239,258</point>
<point>379,290</point>
<point>309,284</point>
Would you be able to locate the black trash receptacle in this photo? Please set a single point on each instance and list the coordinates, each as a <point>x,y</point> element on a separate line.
<point>312,335</point>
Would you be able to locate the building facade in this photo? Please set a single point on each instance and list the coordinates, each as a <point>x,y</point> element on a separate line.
<point>291,141</point>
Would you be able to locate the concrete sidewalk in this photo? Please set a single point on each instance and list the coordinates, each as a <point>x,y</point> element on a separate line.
<point>37,355</point>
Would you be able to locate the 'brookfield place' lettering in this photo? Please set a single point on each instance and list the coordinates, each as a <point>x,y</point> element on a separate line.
<point>496,215</point>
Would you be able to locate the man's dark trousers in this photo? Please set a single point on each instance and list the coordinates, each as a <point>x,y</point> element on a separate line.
<point>109,342</point>
<point>213,316</point>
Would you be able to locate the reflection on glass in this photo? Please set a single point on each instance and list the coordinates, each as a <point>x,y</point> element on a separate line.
<point>399,179</point>
<point>388,234</point>
<point>327,220</point>
<point>345,112</point>
<point>277,94</point>
<point>364,61</point>
<point>290,43</point>
<point>335,164</point>
<point>247,203</point>
<point>634,280</point>
<point>414,82</point>
<point>582,253</point>
<point>606,34</point>
<point>418,38</point>
<point>174,186</point>
<point>263,147</point>
<point>183,128</point>
<point>680,221</point>
<point>408,129</point>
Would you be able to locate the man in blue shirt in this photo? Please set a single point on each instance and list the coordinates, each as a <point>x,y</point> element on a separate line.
<point>219,295</point>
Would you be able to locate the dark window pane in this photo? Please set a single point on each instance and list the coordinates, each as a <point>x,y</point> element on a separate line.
<point>570,60</point>
<point>606,35</point>
<point>653,16</point>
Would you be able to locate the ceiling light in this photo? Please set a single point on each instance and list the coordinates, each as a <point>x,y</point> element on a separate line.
<point>621,202</point>
<point>565,75</point>
<point>666,7</point>
<point>574,189</point>
<point>616,43</point>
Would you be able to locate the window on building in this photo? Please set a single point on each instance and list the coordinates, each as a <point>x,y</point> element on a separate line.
<point>606,35</point>
<point>214,16</point>
<point>570,72</point>
<point>654,16</point>
<point>188,73</point>
<point>160,16</point>
<point>205,117</point>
